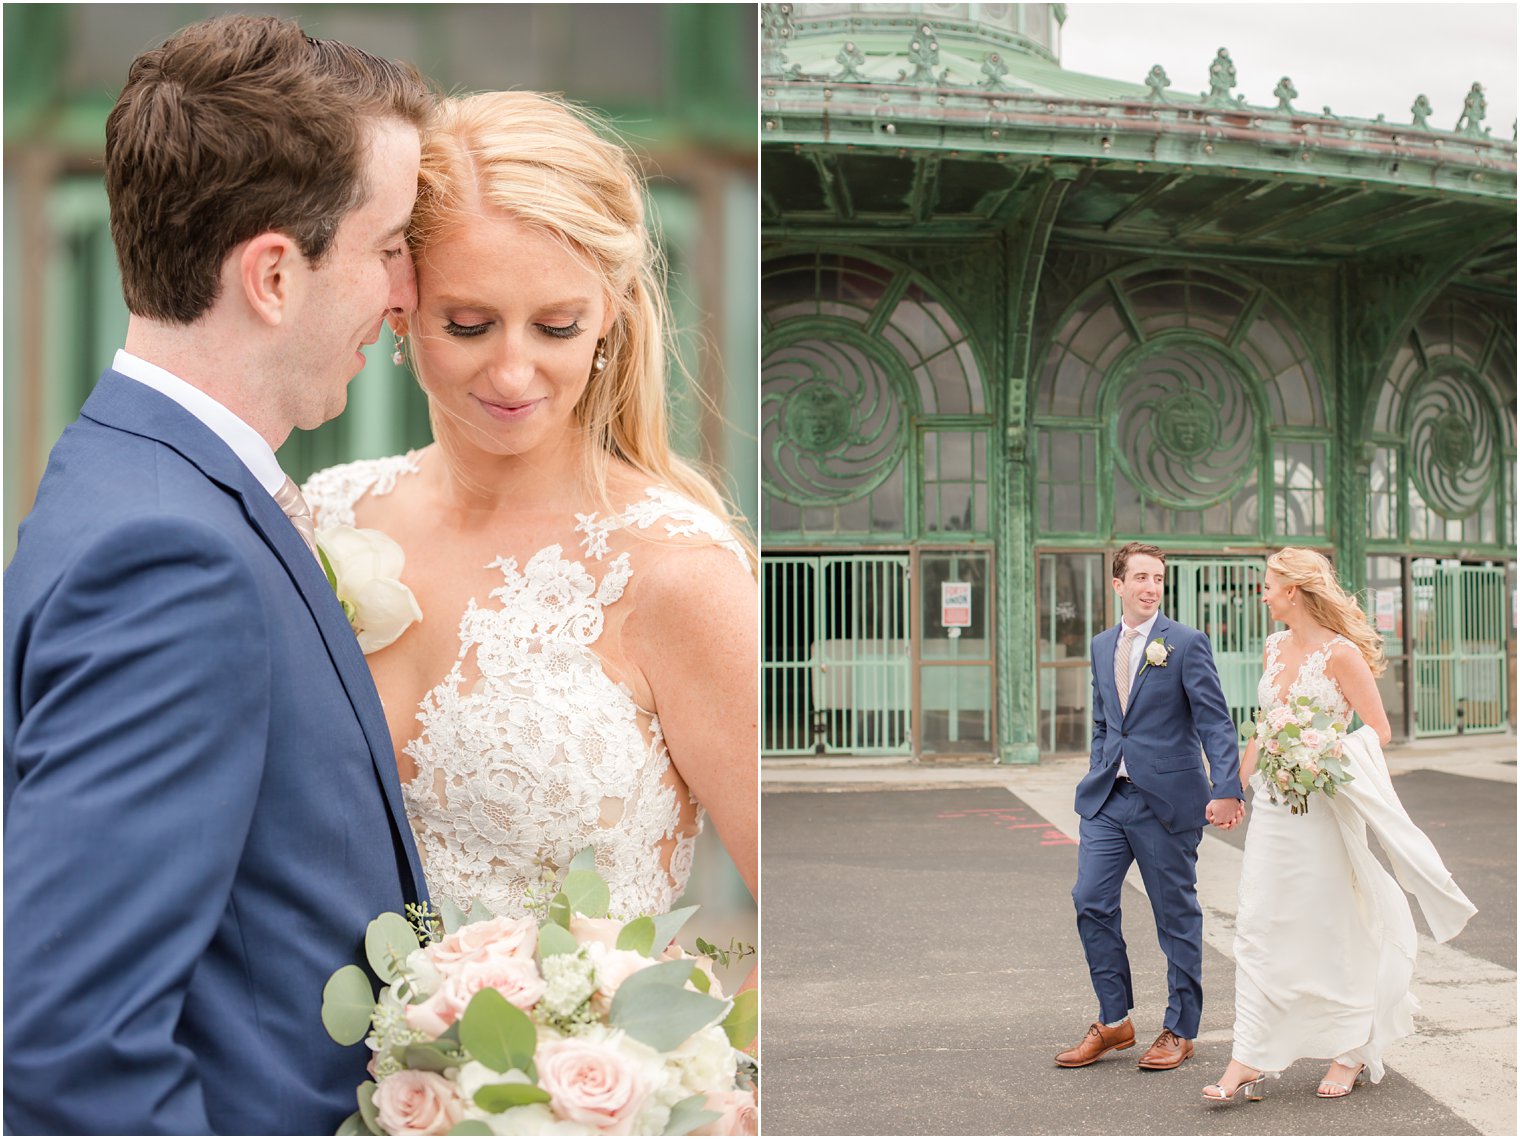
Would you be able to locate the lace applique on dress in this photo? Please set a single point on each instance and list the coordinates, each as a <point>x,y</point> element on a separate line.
<point>1311,679</point>
<point>529,750</point>
<point>332,493</point>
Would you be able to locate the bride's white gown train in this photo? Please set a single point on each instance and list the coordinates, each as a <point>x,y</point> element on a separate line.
<point>1324,939</point>
<point>531,749</point>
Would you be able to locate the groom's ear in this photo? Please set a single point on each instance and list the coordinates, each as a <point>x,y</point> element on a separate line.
<point>266,269</point>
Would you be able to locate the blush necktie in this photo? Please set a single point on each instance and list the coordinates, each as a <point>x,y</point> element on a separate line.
<point>288,498</point>
<point>1122,668</point>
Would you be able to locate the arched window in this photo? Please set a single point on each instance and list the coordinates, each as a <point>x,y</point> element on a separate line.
<point>1183,402</point>
<point>874,417</point>
<point>1443,431</point>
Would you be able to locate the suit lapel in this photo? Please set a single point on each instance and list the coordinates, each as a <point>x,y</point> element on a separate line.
<point>124,404</point>
<point>1159,629</point>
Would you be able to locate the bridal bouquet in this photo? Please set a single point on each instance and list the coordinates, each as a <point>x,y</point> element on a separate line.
<point>572,1024</point>
<point>1298,753</point>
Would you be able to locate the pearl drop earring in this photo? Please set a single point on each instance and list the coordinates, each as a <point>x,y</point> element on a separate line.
<point>398,357</point>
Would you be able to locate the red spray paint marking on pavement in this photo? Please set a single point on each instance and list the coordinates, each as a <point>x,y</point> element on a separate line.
<point>1012,818</point>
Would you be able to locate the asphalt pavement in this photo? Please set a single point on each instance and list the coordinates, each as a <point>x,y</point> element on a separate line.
<point>922,965</point>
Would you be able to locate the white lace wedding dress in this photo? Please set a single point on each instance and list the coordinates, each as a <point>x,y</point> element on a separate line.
<point>530,750</point>
<point>1324,939</point>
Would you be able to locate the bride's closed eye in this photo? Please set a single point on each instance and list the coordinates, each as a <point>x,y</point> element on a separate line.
<point>558,331</point>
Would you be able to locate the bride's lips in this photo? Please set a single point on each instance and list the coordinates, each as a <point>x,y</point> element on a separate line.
<point>508,412</point>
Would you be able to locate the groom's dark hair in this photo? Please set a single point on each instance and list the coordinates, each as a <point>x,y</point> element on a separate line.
<point>236,126</point>
<point>1129,550</point>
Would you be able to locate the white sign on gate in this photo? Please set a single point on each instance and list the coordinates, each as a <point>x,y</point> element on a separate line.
<point>1386,607</point>
<point>955,604</point>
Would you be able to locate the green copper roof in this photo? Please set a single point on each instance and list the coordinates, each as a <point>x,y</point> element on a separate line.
<point>938,79</point>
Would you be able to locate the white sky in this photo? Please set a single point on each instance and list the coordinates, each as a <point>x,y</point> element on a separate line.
<point>1359,59</point>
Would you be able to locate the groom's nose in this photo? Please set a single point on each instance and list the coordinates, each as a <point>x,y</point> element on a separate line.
<point>403,290</point>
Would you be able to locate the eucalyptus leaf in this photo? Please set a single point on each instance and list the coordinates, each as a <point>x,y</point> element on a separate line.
<point>469,1127</point>
<point>689,1114</point>
<point>587,893</point>
<point>666,926</point>
<point>453,917</point>
<point>585,860</point>
<point>554,940</point>
<point>497,1033</point>
<point>387,936</point>
<point>743,1020</point>
<point>638,936</point>
<point>559,910</point>
<point>502,1097</point>
<point>367,1108</point>
<point>353,1125</point>
<point>700,979</point>
<point>429,1058</point>
<point>653,1006</point>
<point>478,912</point>
<point>348,1001</point>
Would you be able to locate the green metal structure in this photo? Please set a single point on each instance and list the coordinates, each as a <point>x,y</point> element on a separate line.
<point>1014,316</point>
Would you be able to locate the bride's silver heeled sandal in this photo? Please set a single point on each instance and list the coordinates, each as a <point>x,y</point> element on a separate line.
<point>1345,1089</point>
<point>1250,1087</point>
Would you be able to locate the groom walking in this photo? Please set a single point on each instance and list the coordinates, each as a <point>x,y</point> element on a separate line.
<point>1157,706</point>
<point>202,810</point>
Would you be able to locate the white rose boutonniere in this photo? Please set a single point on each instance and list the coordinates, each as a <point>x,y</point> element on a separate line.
<point>1157,652</point>
<point>364,569</point>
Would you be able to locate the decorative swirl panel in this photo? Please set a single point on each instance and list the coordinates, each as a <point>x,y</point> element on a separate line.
<point>1453,441</point>
<point>833,418</point>
<point>1185,425</point>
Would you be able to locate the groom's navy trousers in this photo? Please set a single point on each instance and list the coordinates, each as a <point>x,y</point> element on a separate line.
<point>202,810</point>
<point>1177,713</point>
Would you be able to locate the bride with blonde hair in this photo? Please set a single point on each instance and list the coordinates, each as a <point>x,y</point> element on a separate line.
<point>1324,938</point>
<point>584,670</point>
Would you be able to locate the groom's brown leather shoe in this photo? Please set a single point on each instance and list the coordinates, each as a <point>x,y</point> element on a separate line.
<point>1099,1041</point>
<point>1168,1051</point>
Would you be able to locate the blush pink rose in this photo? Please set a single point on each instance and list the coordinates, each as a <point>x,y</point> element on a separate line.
<point>590,930</point>
<point>737,1114</point>
<point>498,937</point>
<point>417,1103</point>
<point>1283,778</point>
<point>513,977</point>
<point>592,1082</point>
<point>1312,739</point>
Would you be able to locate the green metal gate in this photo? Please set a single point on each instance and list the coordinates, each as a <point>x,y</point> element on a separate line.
<point>1222,597</point>
<point>1459,649</point>
<point>837,655</point>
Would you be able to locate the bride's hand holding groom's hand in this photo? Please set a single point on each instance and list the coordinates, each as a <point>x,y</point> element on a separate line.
<point>1225,813</point>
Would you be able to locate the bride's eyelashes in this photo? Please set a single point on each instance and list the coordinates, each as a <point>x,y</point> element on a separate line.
<point>558,331</point>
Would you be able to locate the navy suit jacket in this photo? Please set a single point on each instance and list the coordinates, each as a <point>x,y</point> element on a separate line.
<point>202,810</point>
<point>1177,713</point>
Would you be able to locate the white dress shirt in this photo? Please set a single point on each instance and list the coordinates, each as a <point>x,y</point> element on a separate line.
<point>246,443</point>
<point>1136,652</point>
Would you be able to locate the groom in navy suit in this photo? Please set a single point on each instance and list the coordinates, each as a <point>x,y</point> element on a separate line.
<point>1157,709</point>
<point>202,809</point>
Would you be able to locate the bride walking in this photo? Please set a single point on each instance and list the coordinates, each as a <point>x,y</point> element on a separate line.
<point>1324,939</point>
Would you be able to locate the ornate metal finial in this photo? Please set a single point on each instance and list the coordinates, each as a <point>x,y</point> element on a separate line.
<point>1474,109</point>
<point>1221,79</point>
<point>1421,112</point>
<point>775,30</point>
<point>923,54</point>
<point>993,70</point>
<point>1157,81</point>
<point>1284,93</point>
<point>850,58</point>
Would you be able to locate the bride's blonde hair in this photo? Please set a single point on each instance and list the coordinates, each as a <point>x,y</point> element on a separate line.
<point>1311,574</point>
<point>538,159</point>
